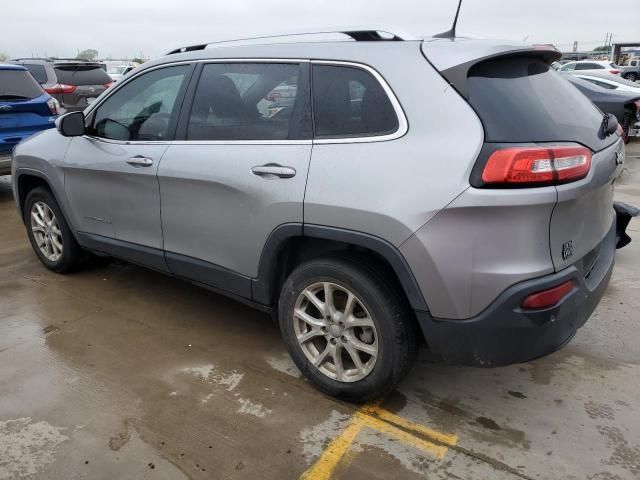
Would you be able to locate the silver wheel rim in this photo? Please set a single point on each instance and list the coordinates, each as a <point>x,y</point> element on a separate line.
<point>335,332</point>
<point>46,231</point>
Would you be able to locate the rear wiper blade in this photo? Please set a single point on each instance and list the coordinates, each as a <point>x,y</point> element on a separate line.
<point>13,97</point>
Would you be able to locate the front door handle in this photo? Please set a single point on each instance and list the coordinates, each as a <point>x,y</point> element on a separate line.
<point>140,161</point>
<point>273,170</point>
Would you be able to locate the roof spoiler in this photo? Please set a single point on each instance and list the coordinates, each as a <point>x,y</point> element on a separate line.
<point>442,53</point>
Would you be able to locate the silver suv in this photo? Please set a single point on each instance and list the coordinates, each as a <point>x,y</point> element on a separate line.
<point>369,191</point>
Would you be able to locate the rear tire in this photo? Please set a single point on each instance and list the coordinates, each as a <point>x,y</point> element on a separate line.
<point>368,349</point>
<point>49,233</point>
<point>631,77</point>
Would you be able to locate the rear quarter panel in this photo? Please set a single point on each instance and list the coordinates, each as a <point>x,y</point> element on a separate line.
<point>391,188</point>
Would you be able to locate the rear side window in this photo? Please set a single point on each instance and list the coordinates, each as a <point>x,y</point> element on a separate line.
<point>244,101</point>
<point>18,85</point>
<point>38,72</point>
<point>350,102</point>
<point>81,75</point>
<point>522,99</point>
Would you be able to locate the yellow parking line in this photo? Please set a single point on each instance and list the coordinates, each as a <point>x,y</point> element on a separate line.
<point>331,456</point>
<point>374,417</point>
<point>447,438</point>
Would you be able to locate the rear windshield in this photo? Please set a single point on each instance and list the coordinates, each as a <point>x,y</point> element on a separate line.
<point>38,72</point>
<point>18,85</point>
<point>81,75</point>
<point>522,99</point>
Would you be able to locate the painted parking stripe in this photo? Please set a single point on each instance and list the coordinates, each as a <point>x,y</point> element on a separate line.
<point>372,416</point>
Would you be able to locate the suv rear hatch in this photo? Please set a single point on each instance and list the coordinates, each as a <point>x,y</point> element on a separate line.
<point>78,84</point>
<point>24,107</point>
<point>525,106</point>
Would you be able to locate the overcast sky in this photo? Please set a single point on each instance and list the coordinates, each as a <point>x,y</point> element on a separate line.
<point>125,28</point>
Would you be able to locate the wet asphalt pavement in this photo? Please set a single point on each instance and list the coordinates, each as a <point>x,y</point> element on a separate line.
<point>116,372</point>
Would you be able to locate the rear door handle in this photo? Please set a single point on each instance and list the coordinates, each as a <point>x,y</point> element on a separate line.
<point>140,161</point>
<point>273,170</point>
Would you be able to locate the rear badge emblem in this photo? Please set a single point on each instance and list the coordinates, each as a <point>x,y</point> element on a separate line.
<point>619,157</point>
<point>567,250</point>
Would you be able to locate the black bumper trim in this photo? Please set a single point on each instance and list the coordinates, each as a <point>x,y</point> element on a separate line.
<point>504,333</point>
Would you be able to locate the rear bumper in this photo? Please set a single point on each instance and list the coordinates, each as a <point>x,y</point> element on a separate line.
<point>504,333</point>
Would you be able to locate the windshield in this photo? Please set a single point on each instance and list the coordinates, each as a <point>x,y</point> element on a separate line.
<point>522,99</point>
<point>18,85</point>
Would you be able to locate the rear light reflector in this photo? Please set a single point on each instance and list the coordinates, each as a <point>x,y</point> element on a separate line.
<point>53,105</point>
<point>547,298</point>
<point>59,88</point>
<point>107,85</point>
<point>535,165</point>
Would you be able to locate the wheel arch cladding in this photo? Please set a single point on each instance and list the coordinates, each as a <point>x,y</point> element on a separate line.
<point>286,241</point>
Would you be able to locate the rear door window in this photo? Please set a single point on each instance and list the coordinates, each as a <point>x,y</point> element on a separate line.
<point>522,99</point>
<point>81,75</point>
<point>588,66</point>
<point>249,101</point>
<point>38,72</point>
<point>350,102</point>
<point>18,85</point>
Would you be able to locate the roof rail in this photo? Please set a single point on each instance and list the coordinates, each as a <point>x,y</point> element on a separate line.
<point>357,34</point>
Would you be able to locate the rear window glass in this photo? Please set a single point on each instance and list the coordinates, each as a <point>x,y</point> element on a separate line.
<point>18,85</point>
<point>522,99</point>
<point>38,72</point>
<point>82,75</point>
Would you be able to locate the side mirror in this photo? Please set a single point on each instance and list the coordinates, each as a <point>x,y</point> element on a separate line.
<point>71,124</point>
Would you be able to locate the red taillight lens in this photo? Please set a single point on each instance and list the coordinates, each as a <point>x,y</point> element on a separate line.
<point>614,71</point>
<point>60,88</point>
<point>547,298</point>
<point>534,165</point>
<point>107,85</point>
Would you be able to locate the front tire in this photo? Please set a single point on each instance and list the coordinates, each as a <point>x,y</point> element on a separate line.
<point>347,328</point>
<point>632,77</point>
<point>49,233</point>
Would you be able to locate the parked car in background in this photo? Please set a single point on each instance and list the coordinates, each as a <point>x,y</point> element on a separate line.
<point>591,65</point>
<point>353,217</point>
<point>608,81</point>
<point>624,105</point>
<point>558,64</point>
<point>25,108</point>
<point>116,70</point>
<point>631,71</point>
<point>74,83</point>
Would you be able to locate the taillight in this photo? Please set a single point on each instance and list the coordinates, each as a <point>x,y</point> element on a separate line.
<point>547,298</point>
<point>60,88</point>
<point>52,103</point>
<point>536,166</point>
<point>107,85</point>
<point>614,71</point>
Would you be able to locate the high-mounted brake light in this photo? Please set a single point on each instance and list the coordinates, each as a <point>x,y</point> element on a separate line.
<point>536,165</point>
<point>547,298</point>
<point>60,88</point>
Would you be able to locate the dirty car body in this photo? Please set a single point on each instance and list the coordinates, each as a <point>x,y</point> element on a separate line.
<point>498,244</point>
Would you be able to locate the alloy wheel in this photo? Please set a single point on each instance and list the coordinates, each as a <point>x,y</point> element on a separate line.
<point>336,332</point>
<point>46,231</point>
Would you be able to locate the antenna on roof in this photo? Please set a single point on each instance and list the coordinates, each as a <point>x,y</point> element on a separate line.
<point>452,32</point>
